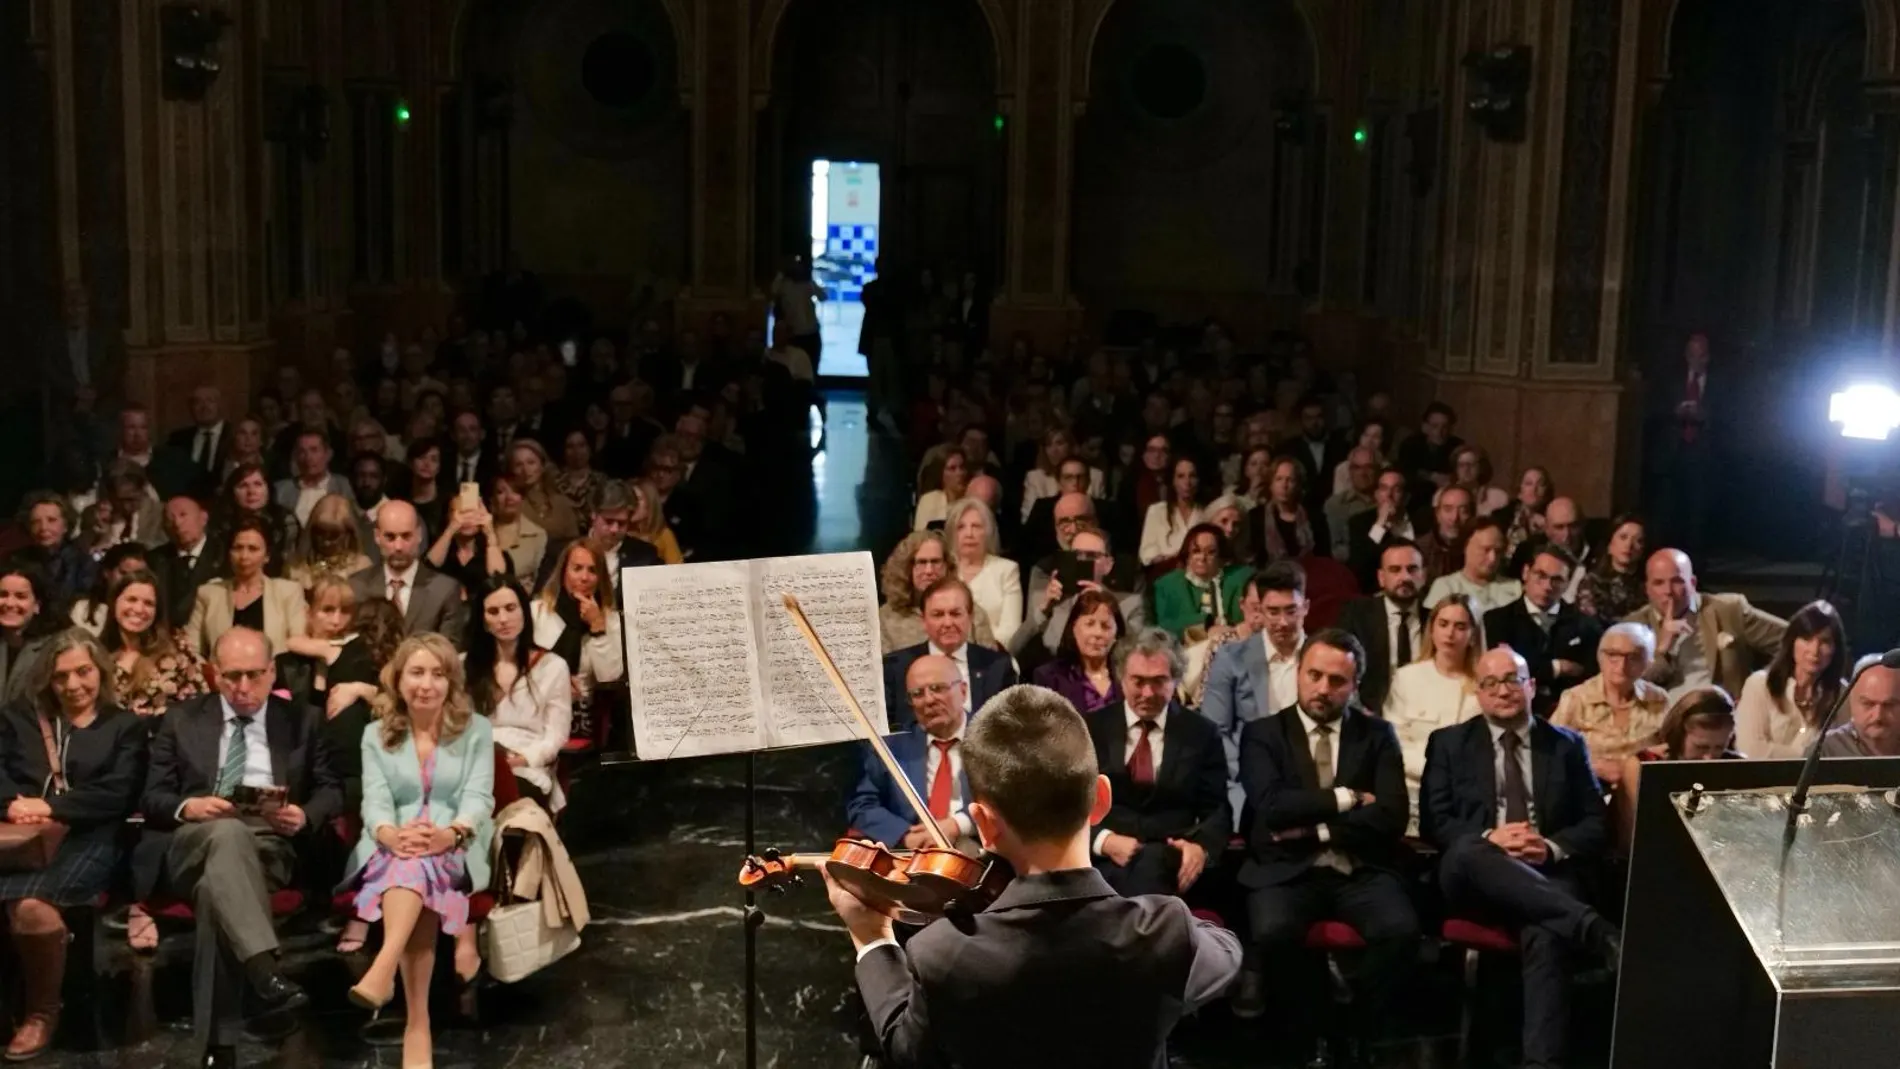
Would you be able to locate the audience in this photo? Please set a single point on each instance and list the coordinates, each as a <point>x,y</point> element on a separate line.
<point>1200,600</point>
<point>1368,531</point>
<point>1325,787</point>
<point>247,497</point>
<point>150,669</point>
<point>1426,457</point>
<point>1166,524</point>
<point>1480,577</point>
<point>1525,518</point>
<point>1614,586</point>
<point>303,668</point>
<point>577,477</point>
<point>919,560</point>
<point>72,758</point>
<point>1443,545</point>
<point>1047,478</point>
<point>1389,625</point>
<point>467,550</point>
<point>1438,690</point>
<point>248,597</point>
<point>425,494</point>
<point>1087,564</point>
<point>126,558</point>
<point>429,600</point>
<point>1616,711</point>
<point>331,543</point>
<point>1873,708</point>
<point>65,564</point>
<point>995,583</point>
<point>313,480</point>
<point>1516,841</point>
<point>27,624</point>
<point>1357,497</point>
<point>1316,452</point>
<point>526,691</point>
<point>575,618</point>
<point>1167,775</point>
<point>1563,527</point>
<point>428,804</point>
<point>1250,680</point>
<point>927,752</point>
<point>521,540</point>
<point>1554,638</point>
<point>1081,670</point>
<point>542,500</point>
<point>953,481</point>
<point>1781,706</point>
<point>648,523</point>
<point>1700,726</point>
<point>1701,638</point>
<point>1285,526</point>
<point>1471,471</point>
<point>206,842</point>
<point>947,609</point>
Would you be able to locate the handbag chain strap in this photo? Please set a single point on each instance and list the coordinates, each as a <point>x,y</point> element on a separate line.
<point>52,755</point>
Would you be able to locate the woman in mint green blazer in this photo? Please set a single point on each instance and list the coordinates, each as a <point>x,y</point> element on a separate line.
<point>1205,585</point>
<point>428,819</point>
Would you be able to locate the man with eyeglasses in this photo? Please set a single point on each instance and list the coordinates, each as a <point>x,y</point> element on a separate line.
<point>1050,596</point>
<point>947,612</point>
<point>1259,675</point>
<point>1042,532</point>
<point>1512,805</point>
<point>877,809</point>
<point>1325,783</point>
<point>199,845</point>
<point>1556,639</point>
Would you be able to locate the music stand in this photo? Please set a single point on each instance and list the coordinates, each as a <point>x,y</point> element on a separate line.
<point>1718,971</point>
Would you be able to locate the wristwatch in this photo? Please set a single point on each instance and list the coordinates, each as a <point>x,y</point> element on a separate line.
<point>462,835</point>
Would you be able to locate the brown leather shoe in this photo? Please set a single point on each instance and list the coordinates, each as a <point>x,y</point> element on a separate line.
<point>35,1035</point>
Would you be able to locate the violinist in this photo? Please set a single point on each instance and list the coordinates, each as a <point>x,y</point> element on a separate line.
<point>928,755</point>
<point>1031,980</point>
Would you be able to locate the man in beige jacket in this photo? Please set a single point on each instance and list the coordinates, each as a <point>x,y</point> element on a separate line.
<point>1702,639</point>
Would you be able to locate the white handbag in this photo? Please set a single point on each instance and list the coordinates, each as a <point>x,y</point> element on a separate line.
<point>517,941</point>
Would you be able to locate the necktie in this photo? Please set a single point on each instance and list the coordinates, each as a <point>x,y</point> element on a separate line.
<point>235,751</point>
<point>1543,623</point>
<point>1402,649</point>
<point>1141,763</point>
<point>395,591</point>
<point>191,562</point>
<point>1517,797</point>
<point>204,448</point>
<point>1323,755</point>
<point>942,782</point>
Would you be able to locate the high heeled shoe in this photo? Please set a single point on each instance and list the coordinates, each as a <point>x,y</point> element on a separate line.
<point>371,1000</point>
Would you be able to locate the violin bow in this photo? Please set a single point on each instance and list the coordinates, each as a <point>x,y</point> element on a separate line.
<point>871,735</point>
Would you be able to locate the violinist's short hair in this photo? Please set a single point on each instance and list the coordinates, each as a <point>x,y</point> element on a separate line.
<point>1028,755</point>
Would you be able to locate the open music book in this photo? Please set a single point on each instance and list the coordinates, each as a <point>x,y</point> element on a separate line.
<point>715,664</point>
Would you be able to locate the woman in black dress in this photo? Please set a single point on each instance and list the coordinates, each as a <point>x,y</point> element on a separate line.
<point>247,494</point>
<point>73,723</point>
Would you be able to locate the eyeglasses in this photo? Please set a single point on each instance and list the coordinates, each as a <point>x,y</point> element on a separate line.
<point>1501,682</point>
<point>1625,656</point>
<point>238,676</point>
<point>929,688</point>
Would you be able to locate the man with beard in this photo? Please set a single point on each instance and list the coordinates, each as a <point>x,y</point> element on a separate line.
<point>1391,623</point>
<point>1327,803</point>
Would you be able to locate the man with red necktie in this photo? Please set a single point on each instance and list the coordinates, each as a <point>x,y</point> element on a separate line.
<point>1167,774</point>
<point>927,753</point>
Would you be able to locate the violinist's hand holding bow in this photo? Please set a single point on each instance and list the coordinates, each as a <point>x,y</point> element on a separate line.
<point>866,924</point>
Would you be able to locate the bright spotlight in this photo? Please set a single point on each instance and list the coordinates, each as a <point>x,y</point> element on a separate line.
<point>1865,410</point>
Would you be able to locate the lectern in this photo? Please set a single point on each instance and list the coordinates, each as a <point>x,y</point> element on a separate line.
<point>1733,958</point>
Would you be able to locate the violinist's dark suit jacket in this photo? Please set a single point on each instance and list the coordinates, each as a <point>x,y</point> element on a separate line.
<point>1059,971</point>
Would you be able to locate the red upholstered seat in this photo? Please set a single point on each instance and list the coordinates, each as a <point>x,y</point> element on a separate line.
<point>282,904</point>
<point>1474,936</point>
<point>1329,586</point>
<point>1209,916</point>
<point>1333,935</point>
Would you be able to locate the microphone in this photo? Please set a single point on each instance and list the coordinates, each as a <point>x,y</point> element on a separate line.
<point>1798,802</point>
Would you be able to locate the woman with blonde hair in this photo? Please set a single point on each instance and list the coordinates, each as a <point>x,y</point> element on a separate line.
<point>574,618</point>
<point>995,581</point>
<point>648,522</point>
<point>541,498</point>
<point>922,558</point>
<point>331,542</point>
<point>1043,479</point>
<point>522,539</point>
<point>1438,689</point>
<point>428,819</point>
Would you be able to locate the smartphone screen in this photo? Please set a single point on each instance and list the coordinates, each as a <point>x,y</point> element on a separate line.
<point>471,496</point>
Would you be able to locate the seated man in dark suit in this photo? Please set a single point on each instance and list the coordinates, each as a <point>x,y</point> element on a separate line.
<point>1512,803</point>
<point>877,809</point>
<point>198,846</point>
<point>1389,624</point>
<point>1554,638</point>
<point>1167,769</point>
<point>1061,970</point>
<point>1367,532</point>
<point>429,600</point>
<point>1327,806</point>
<point>948,608</point>
<point>186,561</point>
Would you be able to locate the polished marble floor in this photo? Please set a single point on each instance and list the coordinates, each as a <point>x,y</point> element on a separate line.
<point>659,982</point>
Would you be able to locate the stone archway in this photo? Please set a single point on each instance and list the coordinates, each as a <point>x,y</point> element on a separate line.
<point>765,33</point>
<point>1882,65</point>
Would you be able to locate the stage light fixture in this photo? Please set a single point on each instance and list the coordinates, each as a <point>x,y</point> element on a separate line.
<point>1867,410</point>
<point>1500,81</point>
<point>189,36</point>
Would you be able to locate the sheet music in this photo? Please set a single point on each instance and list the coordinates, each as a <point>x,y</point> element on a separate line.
<point>715,664</point>
<point>692,661</point>
<point>839,596</point>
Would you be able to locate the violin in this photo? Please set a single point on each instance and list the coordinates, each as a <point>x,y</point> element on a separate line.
<point>914,886</point>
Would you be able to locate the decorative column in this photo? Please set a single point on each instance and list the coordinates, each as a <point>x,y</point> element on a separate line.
<point>195,300</point>
<point>719,68</point>
<point>1528,341</point>
<point>1041,106</point>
